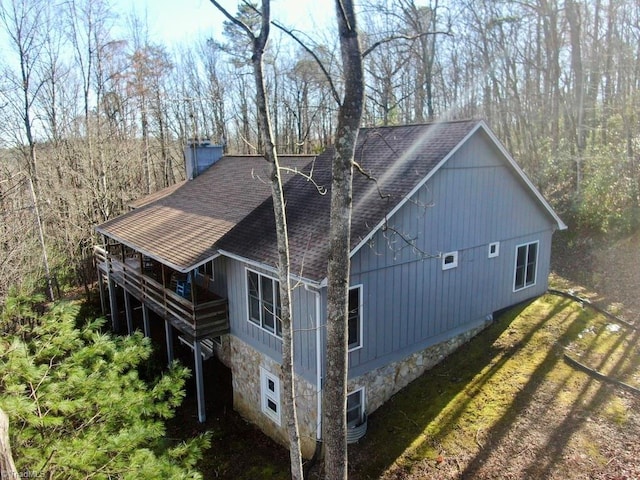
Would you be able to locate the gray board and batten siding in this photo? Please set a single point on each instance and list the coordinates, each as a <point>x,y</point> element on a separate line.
<point>304,316</point>
<point>409,301</point>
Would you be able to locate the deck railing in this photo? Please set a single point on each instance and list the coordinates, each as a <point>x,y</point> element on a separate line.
<point>200,320</point>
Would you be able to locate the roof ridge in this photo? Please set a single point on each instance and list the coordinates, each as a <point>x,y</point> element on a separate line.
<point>423,124</point>
<point>259,155</point>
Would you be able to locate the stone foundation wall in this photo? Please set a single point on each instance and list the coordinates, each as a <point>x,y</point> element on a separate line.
<point>382,383</point>
<point>379,384</point>
<point>245,363</point>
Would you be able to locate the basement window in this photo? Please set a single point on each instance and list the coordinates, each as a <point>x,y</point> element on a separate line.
<point>270,395</point>
<point>355,408</point>
<point>449,260</point>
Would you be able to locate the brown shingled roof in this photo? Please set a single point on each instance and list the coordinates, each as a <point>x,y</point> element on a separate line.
<point>228,208</point>
<point>399,158</point>
<point>181,229</point>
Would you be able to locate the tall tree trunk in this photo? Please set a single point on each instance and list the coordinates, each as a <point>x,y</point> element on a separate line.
<point>573,18</point>
<point>349,117</point>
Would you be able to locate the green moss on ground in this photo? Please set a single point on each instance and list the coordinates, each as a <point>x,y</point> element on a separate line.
<point>481,390</point>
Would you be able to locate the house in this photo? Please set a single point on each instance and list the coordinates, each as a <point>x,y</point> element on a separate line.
<point>446,230</point>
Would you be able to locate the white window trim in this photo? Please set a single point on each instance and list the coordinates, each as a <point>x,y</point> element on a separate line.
<point>246,281</point>
<point>360,316</point>
<point>363,398</point>
<point>454,264</point>
<point>266,394</point>
<point>515,266</point>
<point>204,265</point>
<point>497,252</point>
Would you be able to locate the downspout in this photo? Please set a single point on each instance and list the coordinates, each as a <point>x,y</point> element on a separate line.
<point>316,453</point>
<point>318,369</point>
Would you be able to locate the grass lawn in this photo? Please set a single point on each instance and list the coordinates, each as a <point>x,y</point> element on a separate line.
<point>508,405</point>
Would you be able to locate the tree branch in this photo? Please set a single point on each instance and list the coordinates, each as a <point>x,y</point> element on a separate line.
<point>400,37</point>
<point>334,90</point>
<point>239,23</point>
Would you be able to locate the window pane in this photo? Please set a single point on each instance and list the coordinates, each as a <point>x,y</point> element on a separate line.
<point>267,289</point>
<point>519,283</point>
<point>268,318</point>
<point>354,408</point>
<point>272,405</point>
<point>278,309</point>
<point>254,310</point>
<point>253,283</point>
<point>522,254</point>
<point>531,264</point>
<point>354,317</point>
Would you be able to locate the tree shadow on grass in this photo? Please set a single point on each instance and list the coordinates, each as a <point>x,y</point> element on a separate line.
<point>403,420</point>
<point>410,427</point>
<point>588,395</point>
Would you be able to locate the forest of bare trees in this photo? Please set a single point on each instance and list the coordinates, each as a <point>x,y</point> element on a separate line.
<point>93,118</point>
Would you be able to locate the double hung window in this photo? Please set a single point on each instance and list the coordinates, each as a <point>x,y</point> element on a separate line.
<point>526,263</point>
<point>264,302</point>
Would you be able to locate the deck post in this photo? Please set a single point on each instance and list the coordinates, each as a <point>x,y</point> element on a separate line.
<point>113,305</point>
<point>128,312</point>
<point>145,320</point>
<point>168,330</point>
<point>197,360</point>
<point>103,301</point>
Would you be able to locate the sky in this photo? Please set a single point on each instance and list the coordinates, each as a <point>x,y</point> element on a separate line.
<point>176,21</point>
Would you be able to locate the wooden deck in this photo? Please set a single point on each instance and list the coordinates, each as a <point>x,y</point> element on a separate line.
<point>208,317</point>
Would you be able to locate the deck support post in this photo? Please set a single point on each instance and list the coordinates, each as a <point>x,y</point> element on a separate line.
<point>197,360</point>
<point>103,300</point>
<point>113,305</point>
<point>168,330</point>
<point>128,312</point>
<point>145,320</point>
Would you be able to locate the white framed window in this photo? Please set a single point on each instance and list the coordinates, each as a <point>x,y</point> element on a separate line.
<point>355,407</point>
<point>449,260</point>
<point>494,249</point>
<point>355,317</point>
<point>206,269</point>
<point>270,395</point>
<point>263,297</point>
<point>526,266</point>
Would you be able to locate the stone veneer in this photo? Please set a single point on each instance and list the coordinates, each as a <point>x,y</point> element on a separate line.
<point>245,362</point>
<point>380,384</point>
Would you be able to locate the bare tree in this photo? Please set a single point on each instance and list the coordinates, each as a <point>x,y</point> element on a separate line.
<point>259,43</point>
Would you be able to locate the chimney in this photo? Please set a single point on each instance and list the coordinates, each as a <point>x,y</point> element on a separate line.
<point>200,155</point>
